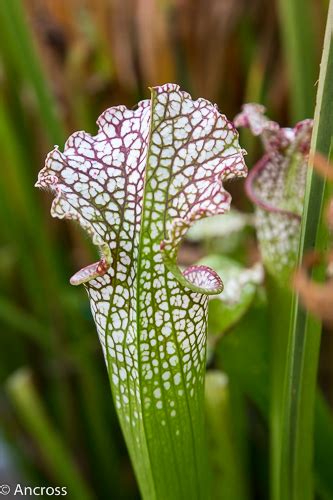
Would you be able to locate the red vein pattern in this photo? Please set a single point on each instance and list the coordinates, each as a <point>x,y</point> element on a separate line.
<point>276,186</point>
<point>136,187</point>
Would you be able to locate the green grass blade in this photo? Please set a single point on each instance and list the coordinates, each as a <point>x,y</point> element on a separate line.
<point>279,299</point>
<point>31,412</point>
<point>299,49</point>
<point>22,322</point>
<point>226,438</point>
<point>304,338</point>
<point>18,42</point>
<point>245,357</point>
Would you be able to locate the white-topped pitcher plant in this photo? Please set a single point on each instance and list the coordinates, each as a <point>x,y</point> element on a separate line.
<point>136,187</point>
